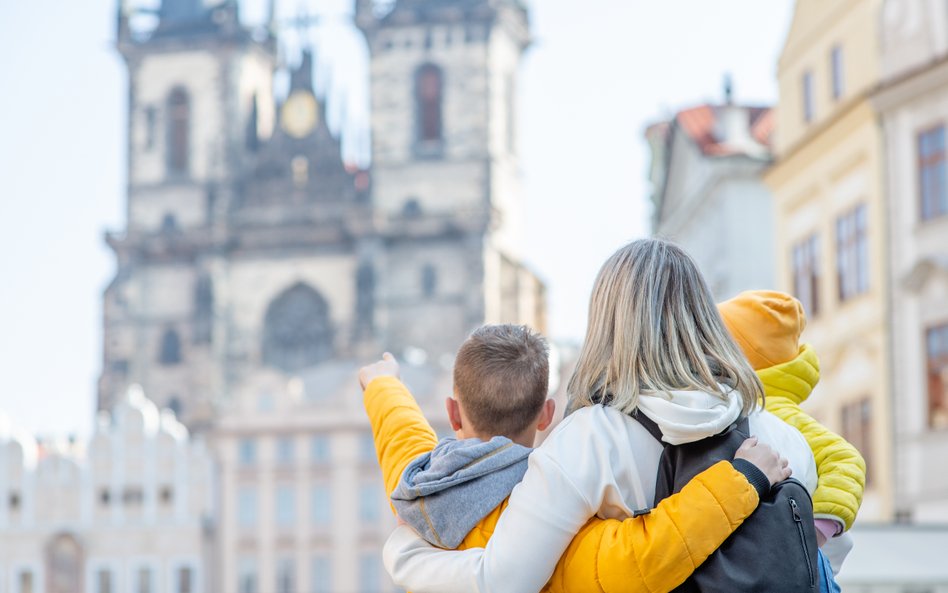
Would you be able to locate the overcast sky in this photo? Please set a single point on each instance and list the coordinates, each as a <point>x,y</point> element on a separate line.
<point>598,73</point>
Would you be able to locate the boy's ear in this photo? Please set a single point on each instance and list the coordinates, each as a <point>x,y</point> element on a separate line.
<point>546,414</point>
<point>454,413</point>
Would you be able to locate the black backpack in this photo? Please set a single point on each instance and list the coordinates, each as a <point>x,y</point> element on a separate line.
<point>773,551</point>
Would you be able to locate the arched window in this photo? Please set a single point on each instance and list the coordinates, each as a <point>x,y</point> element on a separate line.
<point>179,131</point>
<point>170,348</point>
<point>297,332</point>
<point>64,560</point>
<point>203,310</point>
<point>429,90</point>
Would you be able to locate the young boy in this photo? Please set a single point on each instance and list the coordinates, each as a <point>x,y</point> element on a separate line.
<point>453,492</point>
<point>767,326</point>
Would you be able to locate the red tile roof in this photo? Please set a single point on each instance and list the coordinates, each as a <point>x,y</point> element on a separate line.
<point>700,122</point>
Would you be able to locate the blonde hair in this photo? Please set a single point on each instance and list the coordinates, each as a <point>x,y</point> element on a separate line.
<point>654,327</point>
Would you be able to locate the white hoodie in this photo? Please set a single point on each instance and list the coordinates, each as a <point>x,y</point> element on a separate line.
<point>598,461</point>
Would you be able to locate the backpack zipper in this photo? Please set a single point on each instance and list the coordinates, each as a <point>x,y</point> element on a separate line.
<point>806,552</point>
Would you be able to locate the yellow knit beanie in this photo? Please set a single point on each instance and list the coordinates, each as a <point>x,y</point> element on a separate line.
<point>766,324</point>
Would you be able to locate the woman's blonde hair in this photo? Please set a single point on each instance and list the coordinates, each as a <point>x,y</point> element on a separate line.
<point>654,327</point>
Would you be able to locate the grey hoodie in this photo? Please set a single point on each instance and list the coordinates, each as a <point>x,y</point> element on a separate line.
<point>445,493</point>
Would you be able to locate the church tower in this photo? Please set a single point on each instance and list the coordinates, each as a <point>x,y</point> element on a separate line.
<point>446,170</point>
<point>239,251</point>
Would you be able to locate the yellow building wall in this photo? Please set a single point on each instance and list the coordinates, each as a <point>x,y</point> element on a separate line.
<point>823,170</point>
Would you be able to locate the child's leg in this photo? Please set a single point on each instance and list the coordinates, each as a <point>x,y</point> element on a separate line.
<point>827,582</point>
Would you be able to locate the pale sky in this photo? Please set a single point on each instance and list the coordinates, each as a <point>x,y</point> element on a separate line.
<point>598,73</point>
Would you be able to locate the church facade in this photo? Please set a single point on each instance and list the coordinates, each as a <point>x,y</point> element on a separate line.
<point>250,244</point>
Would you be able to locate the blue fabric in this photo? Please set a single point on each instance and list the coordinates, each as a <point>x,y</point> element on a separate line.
<point>827,582</point>
<point>445,493</point>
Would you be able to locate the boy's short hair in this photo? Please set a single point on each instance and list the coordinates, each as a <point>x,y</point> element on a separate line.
<point>501,377</point>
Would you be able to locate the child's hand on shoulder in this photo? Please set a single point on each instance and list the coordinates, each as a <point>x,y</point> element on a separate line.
<point>387,367</point>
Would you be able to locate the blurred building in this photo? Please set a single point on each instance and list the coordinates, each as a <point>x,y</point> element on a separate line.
<point>831,231</point>
<point>258,267</point>
<point>303,507</point>
<point>896,559</point>
<point>708,195</point>
<point>250,244</point>
<point>913,104</point>
<point>131,510</point>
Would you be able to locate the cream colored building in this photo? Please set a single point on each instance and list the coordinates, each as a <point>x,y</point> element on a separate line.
<point>913,104</point>
<point>128,512</point>
<point>303,507</point>
<point>831,222</point>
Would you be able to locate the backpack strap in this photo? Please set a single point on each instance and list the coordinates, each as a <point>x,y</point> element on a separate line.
<point>649,425</point>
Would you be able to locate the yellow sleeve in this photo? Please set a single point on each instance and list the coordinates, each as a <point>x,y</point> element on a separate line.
<point>399,429</point>
<point>841,469</point>
<point>658,551</point>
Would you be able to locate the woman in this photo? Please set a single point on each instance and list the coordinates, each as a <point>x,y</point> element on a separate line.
<point>655,344</point>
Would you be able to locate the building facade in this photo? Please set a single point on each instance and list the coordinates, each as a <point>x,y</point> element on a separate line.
<point>913,104</point>
<point>131,510</point>
<point>303,507</point>
<point>250,243</point>
<point>708,195</point>
<point>831,226</point>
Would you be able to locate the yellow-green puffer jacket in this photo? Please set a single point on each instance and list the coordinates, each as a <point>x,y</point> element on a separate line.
<point>841,469</point>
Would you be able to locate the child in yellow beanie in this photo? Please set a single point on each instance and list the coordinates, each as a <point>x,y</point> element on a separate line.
<point>767,326</point>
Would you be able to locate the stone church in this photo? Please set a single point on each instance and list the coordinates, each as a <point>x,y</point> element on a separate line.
<point>252,245</point>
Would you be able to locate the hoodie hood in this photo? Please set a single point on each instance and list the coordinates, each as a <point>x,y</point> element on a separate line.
<point>445,493</point>
<point>688,416</point>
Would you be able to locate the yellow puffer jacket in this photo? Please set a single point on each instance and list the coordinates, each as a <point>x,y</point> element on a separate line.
<point>841,469</point>
<point>643,554</point>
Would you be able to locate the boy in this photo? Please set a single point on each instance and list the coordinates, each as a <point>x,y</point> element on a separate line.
<point>453,492</point>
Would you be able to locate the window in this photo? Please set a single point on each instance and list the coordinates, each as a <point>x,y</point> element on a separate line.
<point>319,449</point>
<point>937,347</point>
<point>322,574</point>
<point>321,510</point>
<point>103,581</point>
<point>933,185</point>
<point>25,582</point>
<point>852,253</point>
<point>179,124</point>
<point>169,224</point>
<point>143,580</point>
<point>247,575</point>
<point>807,96</point>
<point>857,429</point>
<point>285,450</point>
<point>185,580</point>
<point>285,506</point>
<point>247,451</point>
<point>297,330</point>
<point>369,503</point>
<point>836,71</point>
<point>203,310</point>
<point>151,118</point>
<point>429,281</point>
<point>370,573</point>
<point>429,83</point>
<point>175,405</point>
<point>170,348</point>
<point>247,506</point>
<point>806,274</point>
<point>64,563</point>
<point>286,576</point>
<point>300,167</point>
